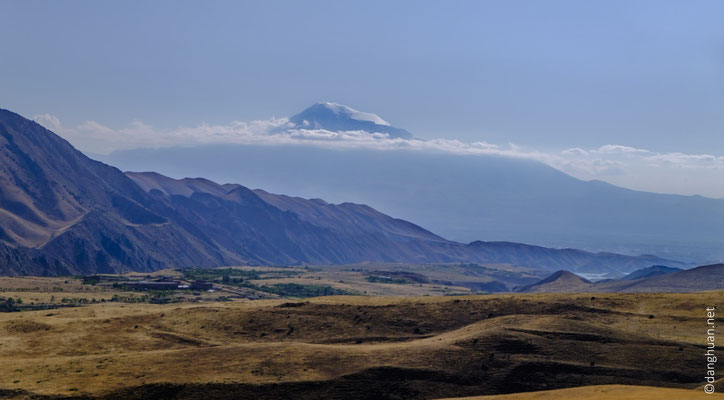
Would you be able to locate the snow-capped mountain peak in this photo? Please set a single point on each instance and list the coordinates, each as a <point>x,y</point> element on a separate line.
<point>354,114</point>
<point>338,117</point>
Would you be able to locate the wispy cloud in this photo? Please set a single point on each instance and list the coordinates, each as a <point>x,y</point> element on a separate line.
<point>618,164</point>
<point>94,137</point>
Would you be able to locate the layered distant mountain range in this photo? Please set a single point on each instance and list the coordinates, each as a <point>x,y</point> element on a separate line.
<point>64,213</point>
<point>461,197</point>
<point>653,279</point>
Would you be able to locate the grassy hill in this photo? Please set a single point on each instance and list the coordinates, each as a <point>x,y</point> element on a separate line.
<point>607,392</point>
<point>354,347</point>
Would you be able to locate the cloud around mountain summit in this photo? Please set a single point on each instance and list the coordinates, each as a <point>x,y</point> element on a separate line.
<point>622,165</point>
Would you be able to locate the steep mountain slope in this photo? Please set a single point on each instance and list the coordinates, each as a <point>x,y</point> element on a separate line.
<point>348,233</point>
<point>80,214</point>
<point>267,228</point>
<point>46,186</point>
<point>353,218</point>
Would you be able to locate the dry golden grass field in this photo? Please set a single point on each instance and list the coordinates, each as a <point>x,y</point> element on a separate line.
<point>606,392</point>
<point>360,347</point>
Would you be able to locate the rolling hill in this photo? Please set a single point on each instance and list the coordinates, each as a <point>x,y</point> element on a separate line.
<point>649,272</point>
<point>703,278</point>
<point>358,347</point>
<point>708,277</point>
<point>559,281</point>
<point>605,392</point>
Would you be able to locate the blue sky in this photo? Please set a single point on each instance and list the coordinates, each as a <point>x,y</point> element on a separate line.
<point>549,75</point>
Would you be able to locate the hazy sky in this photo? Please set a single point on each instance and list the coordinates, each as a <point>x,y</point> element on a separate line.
<point>545,75</point>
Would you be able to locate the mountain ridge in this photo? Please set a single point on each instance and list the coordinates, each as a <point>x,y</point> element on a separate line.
<point>490,198</point>
<point>651,271</point>
<point>64,213</point>
<point>557,281</point>
<point>701,278</point>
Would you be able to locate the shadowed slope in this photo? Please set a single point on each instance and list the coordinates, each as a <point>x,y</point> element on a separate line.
<point>463,198</point>
<point>560,281</point>
<point>649,272</point>
<point>707,277</point>
<point>80,214</point>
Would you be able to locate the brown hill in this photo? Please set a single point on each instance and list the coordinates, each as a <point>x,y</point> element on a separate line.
<point>350,347</point>
<point>606,392</point>
<point>708,277</point>
<point>560,281</point>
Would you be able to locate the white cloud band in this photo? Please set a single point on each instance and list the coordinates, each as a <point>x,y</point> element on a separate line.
<point>621,165</point>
